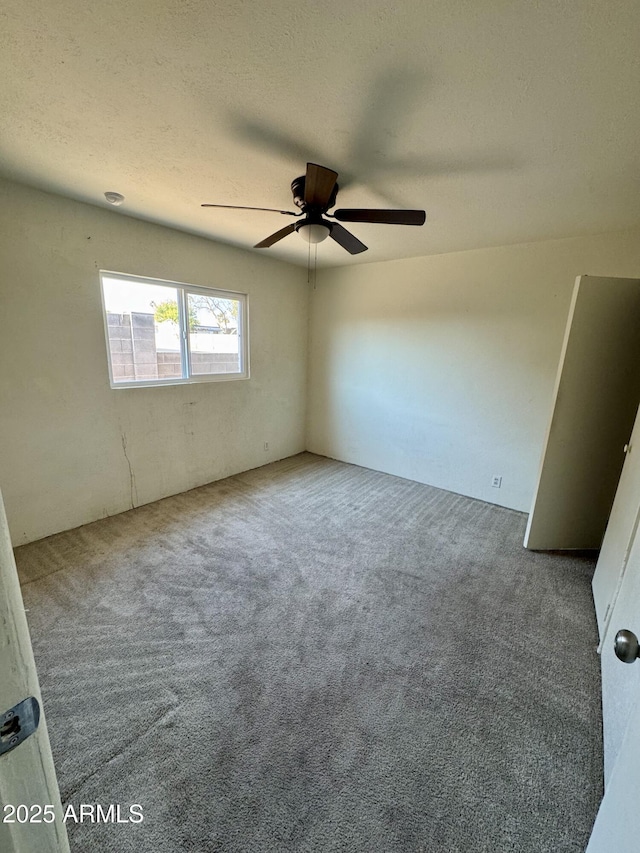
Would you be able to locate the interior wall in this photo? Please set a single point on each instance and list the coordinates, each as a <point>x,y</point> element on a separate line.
<point>441,369</point>
<point>72,449</point>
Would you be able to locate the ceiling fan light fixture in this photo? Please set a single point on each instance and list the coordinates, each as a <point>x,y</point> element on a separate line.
<point>314,232</point>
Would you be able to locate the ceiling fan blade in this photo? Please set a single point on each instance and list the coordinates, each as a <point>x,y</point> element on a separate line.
<point>318,185</point>
<point>390,217</point>
<point>346,239</point>
<point>269,241</point>
<point>239,207</point>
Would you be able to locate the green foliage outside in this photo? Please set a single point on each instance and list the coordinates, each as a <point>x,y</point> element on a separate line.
<point>225,312</point>
<point>168,312</point>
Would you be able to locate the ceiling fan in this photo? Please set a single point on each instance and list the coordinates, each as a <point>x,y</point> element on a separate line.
<point>314,193</point>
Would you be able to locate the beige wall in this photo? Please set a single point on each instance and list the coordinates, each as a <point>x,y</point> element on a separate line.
<point>441,369</point>
<point>63,430</point>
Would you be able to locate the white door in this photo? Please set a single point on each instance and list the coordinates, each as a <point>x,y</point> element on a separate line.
<point>617,578</point>
<point>617,826</point>
<point>620,681</point>
<point>27,774</point>
<point>596,397</point>
<point>621,529</point>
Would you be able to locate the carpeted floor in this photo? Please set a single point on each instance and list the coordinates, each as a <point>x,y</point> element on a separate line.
<point>312,656</point>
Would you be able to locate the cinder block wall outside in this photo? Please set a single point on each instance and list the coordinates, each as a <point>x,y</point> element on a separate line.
<point>134,354</point>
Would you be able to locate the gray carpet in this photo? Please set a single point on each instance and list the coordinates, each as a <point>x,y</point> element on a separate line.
<point>312,656</point>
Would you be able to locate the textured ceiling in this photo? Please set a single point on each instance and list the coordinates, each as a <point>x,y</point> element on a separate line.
<point>507,120</point>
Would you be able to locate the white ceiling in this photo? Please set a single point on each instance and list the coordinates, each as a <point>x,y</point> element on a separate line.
<point>507,120</point>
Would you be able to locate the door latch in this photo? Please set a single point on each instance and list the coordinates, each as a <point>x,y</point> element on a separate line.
<point>18,723</point>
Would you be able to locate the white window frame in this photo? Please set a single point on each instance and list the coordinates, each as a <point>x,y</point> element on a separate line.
<point>185,351</point>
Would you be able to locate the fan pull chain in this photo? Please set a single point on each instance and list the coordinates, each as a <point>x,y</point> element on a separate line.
<point>312,269</point>
<point>315,265</point>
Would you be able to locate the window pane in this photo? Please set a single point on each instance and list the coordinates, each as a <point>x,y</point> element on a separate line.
<point>143,328</point>
<point>213,334</point>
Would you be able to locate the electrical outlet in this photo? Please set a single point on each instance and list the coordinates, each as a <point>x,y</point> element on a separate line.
<point>266,446</point>
<point>496,481</point>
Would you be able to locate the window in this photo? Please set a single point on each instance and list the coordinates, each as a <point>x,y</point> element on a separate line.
<point>163,332</point>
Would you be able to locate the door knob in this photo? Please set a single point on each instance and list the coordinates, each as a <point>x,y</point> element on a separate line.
<point>626,646</point>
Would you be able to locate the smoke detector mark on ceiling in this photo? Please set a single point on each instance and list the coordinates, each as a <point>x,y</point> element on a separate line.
<point>114,198</point>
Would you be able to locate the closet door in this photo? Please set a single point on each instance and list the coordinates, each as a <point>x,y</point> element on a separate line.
<point>596,397</point>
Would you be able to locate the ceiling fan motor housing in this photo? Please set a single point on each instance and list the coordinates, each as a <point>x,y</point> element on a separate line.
<point>297,188</point>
